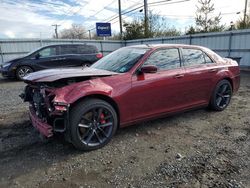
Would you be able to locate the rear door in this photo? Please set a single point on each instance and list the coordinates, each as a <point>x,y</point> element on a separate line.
<point>199,73</point>
<point>160,92</point>
<point>69,56</point>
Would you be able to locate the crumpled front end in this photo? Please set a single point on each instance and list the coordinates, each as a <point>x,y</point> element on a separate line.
<point>46,116</point>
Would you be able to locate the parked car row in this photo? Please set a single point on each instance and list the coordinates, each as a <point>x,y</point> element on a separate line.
<point>130,85</point>
<point>53,56</point>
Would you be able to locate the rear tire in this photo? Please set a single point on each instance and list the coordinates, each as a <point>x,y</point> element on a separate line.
<point>93,122</point>
<point>221,96</point>
<point>23,71</point>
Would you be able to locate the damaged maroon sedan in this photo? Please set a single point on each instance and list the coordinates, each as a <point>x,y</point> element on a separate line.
<point>130,85</point>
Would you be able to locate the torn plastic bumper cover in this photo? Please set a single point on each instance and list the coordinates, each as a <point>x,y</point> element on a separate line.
<point>41,126</point>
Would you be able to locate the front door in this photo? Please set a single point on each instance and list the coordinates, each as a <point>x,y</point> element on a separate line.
<point>160,92</point>
<point>47,58</point>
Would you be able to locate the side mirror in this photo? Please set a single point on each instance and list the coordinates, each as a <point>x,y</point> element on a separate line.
<point>148,69</point>
<point>37,56</point>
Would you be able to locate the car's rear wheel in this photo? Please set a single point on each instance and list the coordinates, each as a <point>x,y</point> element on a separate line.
<point>93,123</point>
<point>221,96</point>
<point>22,72</point>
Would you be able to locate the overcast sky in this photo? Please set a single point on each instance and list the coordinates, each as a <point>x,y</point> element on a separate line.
<point>33,18</point>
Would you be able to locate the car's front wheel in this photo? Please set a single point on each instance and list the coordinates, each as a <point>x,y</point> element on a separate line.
<point>221,96</point>
<point>23,71</point>
<point>93,122</point>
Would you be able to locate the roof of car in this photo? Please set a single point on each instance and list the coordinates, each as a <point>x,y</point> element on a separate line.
<point>155,46</point>
<point>66,44</point>
<point>164,45</point>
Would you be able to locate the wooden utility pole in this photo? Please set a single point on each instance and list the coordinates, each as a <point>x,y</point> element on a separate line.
<point>245,13</point>
<point>120,17</point>
<point>146,17</point>
<point>56,26</point>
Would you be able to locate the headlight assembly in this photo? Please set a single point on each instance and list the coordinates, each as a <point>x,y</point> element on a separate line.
<point>6,65</point>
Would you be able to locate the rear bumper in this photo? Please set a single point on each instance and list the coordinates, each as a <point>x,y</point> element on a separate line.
<point>44,128</point>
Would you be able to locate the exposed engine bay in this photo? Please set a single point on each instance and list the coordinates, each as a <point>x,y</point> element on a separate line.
<point>40,97</point>
<point>41,94</point>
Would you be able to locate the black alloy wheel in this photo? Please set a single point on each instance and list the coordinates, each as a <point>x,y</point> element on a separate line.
<point>93,123</point>
<point>221,96</point>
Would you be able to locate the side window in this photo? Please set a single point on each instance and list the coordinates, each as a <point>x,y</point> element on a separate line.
<point>164,59</point>
<point>87,49</point>
<point>193,57</point>
<point>46,52</point>
<point>68,49</point>
<point>207,59</point>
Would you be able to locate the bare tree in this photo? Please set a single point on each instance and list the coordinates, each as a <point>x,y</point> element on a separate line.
<point>76,31</point>
<point>205,22</point>
<point>157,27</point>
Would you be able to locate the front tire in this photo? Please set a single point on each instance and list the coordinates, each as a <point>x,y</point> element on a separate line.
<point>221,96</point>
<point>93,122</point>
<point>22,72</point>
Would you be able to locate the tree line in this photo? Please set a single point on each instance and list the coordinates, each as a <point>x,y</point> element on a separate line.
<point>158,26</point>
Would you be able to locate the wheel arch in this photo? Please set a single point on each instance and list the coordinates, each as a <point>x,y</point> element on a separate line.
<point>217,81</point>
<point>105,98</point>
<point>225,78</point>
<point>230,81</point>
<point>20,65</point>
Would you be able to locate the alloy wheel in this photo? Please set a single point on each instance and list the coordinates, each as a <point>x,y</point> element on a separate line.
<point>223,95</point>
<point>23,71</point>
<point>95,126</point>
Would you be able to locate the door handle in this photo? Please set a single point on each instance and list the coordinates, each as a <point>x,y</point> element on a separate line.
<point>179,76</point>
<point>212,70</point>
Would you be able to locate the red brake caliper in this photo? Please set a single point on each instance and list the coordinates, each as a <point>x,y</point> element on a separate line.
<point>102,121</point>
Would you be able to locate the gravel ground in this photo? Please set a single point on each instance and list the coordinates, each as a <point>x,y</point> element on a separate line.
<point>194,149</point>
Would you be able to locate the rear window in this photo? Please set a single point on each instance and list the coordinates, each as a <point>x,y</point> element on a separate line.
<point>87,49</point>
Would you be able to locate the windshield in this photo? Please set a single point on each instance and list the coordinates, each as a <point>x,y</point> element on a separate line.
<point>121,60</point>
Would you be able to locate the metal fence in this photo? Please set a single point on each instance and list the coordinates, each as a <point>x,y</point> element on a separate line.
<point>227,44</point>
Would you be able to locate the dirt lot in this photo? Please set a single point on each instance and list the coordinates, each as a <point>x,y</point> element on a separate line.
<point>195,149</point>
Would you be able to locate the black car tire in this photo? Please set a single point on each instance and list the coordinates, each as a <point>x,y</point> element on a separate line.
<point>221,96</point>
<point>93,122</point>
<point>23,71</point>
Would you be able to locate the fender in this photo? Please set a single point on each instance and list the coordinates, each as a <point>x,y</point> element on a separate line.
<point>232,73</point>
<point>71,93</point>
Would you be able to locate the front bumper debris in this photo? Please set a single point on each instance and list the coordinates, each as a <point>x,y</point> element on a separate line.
<point>44,128</point>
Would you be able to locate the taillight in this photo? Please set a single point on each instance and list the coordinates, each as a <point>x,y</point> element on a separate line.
<point>99,55</point>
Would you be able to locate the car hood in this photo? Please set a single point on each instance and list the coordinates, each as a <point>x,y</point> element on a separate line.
<point>51,75</point>
<point>12,60</point>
